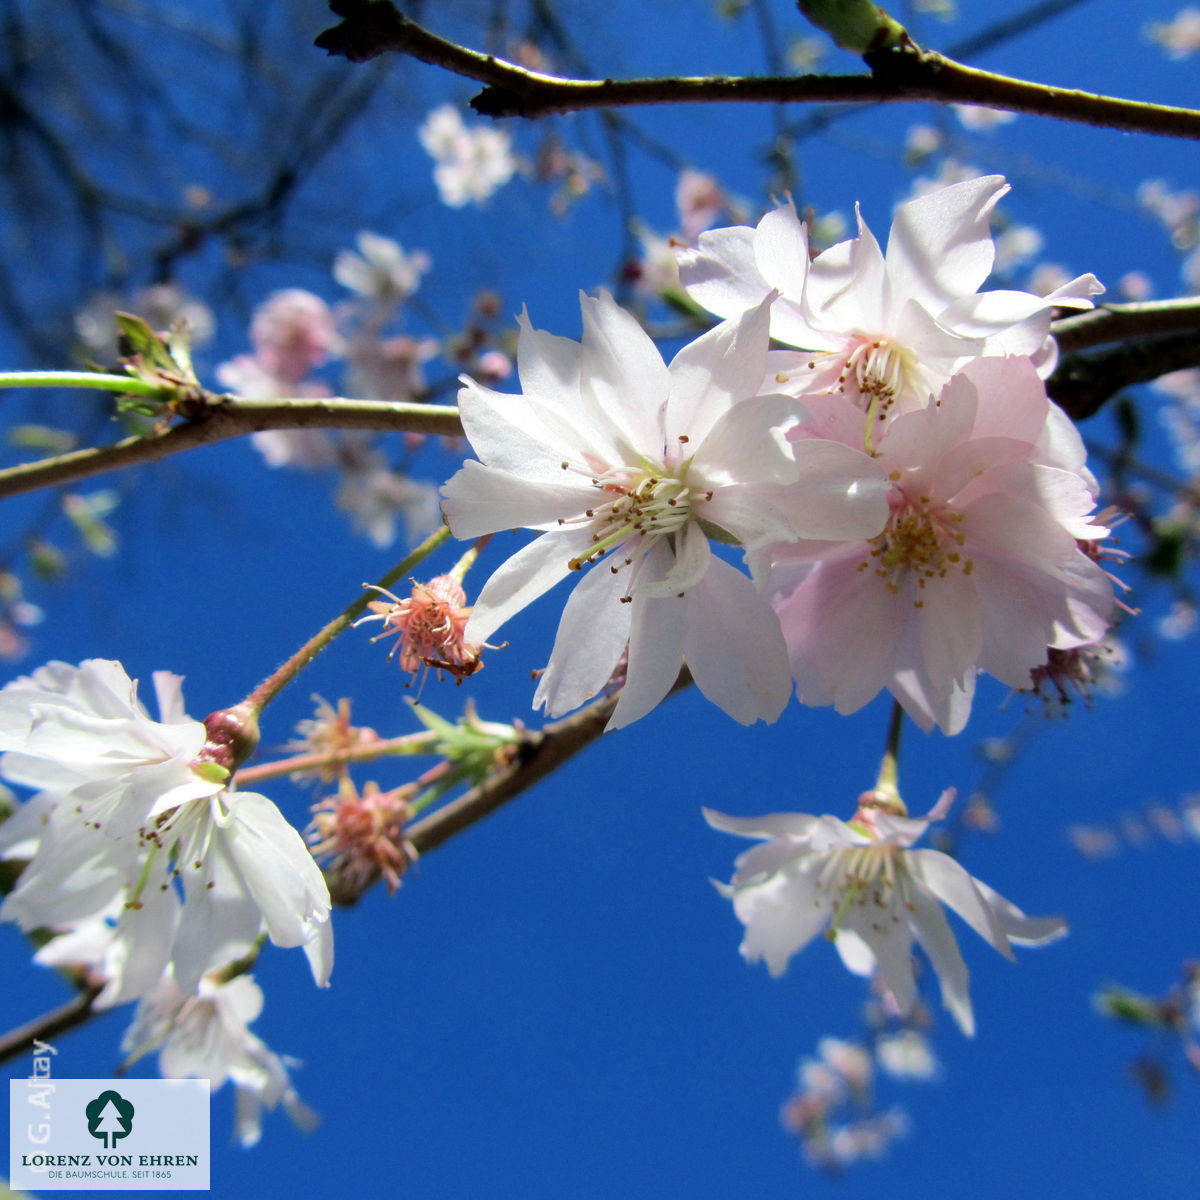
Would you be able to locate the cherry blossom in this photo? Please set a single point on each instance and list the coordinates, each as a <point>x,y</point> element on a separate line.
<point>613,455</point>
<point>206,1035</point>
<point>887,330</point>
<point>130,819</point>
<point>381,271</point>
<point>979,564</point>
<point>472,163</point>
<point>873,894</point>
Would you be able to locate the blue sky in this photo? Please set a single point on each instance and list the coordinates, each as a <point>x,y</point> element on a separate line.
<point>553,1004</point>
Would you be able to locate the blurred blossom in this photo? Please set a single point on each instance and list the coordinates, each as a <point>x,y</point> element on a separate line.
<point>850,1060</point>
<point>1189,814</point>
<point>950,171</point>
<point>868,1138</point>
<point>207,1036</point>
<point>389,368</point>
<point>160,306</point>
<point>377,498</point>
<point>699,200</point>
<point>380,271</point>
<point>804,54</point>
<point>657,271</point>
<point>1093,842</point>
<point>1165,822</point>
<point>907,1055</point>
<point>978,119</point>
<point>1134,286</point>
<point>1047,278</point>
<point>1189,271</point>
<point>1180,38</point>
<point>308,449</point>
<point>1176,211</point>
<point>1185,384</point>
<point>494,366</point>
<point>1179,623</point>
<point>1017,244</point>
<point>293,333</point>
<point>471,164</point>
<point>946,10</point>
<point>920,142</point>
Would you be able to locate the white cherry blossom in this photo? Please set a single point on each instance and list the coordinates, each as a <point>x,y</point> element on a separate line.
<point>874,895</point>
<point>887,330</point>
<point>130,820</point>
<point>616,456</point>
<point>206,1035</point>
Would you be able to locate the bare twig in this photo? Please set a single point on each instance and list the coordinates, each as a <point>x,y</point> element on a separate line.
<point>231,418</point>
<point>1119,322</point>
<point>371,27</point>
<point>1083,383</point>
<point>49,1025</point>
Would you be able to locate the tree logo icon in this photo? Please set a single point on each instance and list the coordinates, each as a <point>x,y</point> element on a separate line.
<point>109,1117</point>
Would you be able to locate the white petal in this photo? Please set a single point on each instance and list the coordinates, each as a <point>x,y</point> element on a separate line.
<point>771,825</point>
<point>1023,930</point>
<point>747,443</point>
<point>940,246</point>
<point>956,888</point>
<point>840,493</point>
<point>722,274</point>
<point>278,870</point>
<point>734,647</point>
<point>937,939</point>
<point>547,365</point>
<point>591,636</point>
<point>711,374</point>
<point>624,381</point>
<point>521,579</point>
<point>782,914</point>
<point>655,648</point>
<point>479,499</point>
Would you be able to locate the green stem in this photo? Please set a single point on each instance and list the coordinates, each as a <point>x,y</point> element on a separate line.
<point>125,384</point>
<point>276,682</point>
<point>409,743</point>
<point>888,783</point>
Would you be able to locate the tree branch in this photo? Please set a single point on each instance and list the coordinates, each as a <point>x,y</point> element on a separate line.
<point>49,1025</point>
<point>372,27</point>
<point>231,417</point>
<point>1082,383</point>
<point>1117,322</point>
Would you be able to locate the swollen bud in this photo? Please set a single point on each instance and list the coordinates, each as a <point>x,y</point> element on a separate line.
<point>232,737</point>
<point>856,25</point>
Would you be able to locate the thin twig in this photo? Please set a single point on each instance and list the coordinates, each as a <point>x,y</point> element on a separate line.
<point>49,1025</point>
<point>231,418</point>
<point>371,27</point>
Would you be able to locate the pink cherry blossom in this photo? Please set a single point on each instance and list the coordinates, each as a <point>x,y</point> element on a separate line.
<point>979,565</point>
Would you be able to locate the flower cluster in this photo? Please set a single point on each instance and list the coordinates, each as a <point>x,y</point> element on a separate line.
<point>912,507</point>
<point>137,854</point>
<point>471,164</point>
